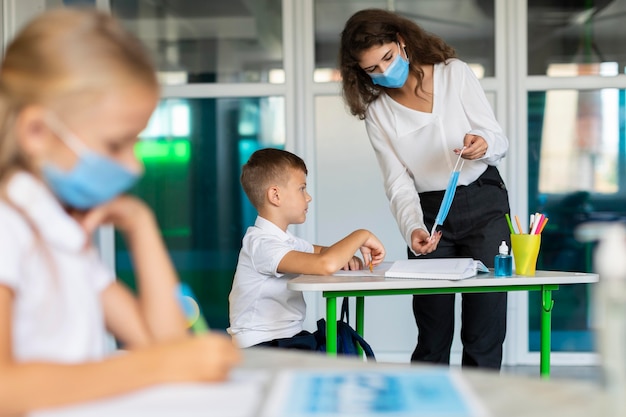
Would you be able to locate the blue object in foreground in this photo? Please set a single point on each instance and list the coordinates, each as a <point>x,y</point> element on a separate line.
<point>371,393</point>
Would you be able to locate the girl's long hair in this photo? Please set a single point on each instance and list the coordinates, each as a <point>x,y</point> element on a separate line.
<point>375,27</point>
<point>64,59</point>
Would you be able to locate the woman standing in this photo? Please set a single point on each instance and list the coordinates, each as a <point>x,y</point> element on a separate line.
<point>422,108</point>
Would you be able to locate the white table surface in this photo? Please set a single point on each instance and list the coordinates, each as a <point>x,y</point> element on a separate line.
<point>501,395</point>
<point>369,281</point>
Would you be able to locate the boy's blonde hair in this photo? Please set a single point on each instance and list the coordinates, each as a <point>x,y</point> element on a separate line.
<point>64,59</point>
<point>267,167</point>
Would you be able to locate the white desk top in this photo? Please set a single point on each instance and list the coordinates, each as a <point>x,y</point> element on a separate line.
<point>369,281</point>
<point>500,395</point>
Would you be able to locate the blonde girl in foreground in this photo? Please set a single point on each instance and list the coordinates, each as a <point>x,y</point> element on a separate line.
<point>75,91</point>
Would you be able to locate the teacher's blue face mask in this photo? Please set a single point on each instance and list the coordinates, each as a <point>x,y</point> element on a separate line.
<point>396,73</point>
<point>448,195</point>
<point>94,179</point>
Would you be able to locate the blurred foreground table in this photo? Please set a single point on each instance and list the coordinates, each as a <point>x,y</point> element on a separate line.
<point>246,393</point>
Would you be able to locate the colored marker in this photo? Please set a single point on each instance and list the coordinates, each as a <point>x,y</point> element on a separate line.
<point>519,225</point>
<point>545,220</point>
<point>534,230</point>
<point>508,221</point>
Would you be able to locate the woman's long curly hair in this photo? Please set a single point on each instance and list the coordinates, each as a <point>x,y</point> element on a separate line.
<point>375,27</point>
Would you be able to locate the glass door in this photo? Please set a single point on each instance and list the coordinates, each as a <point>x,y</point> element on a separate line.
<point>221,67</point>
<point>576,144</point>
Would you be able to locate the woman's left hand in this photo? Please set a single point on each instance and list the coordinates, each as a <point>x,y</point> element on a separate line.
<point>475,147</point>
<point>423,243</point>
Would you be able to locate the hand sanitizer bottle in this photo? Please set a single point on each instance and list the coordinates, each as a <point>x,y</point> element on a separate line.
<point>503,263</point>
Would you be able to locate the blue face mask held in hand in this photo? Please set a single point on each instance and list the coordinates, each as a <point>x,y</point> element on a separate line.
<point>395,75</point>
<point>94,179</point>
<point>448,196</point>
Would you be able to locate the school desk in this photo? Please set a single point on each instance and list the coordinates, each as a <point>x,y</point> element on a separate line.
<point>367,285</point>
<point>246,393</point>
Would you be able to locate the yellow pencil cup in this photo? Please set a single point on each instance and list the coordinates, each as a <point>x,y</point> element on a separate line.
<point>525,251</point>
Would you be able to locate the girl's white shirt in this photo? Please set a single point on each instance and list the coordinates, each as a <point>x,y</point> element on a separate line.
<point>415,149</point>
<point>56,280</point>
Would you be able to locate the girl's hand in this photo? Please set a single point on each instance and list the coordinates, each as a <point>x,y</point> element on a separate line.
<point>207,358</point>
<point>353,265</point>
<point>475,147</point>
<point>126,213</point>
<point>421,241</point>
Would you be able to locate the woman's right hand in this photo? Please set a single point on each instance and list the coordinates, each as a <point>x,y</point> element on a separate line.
<point>422,243</point>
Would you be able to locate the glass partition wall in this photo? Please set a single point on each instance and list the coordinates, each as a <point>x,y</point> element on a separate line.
<point>194,147</point>
<point>576,146</point>
<point>193,150</point>
<point>576,37</point>
<point>466,25</point>
<point>235,41</point>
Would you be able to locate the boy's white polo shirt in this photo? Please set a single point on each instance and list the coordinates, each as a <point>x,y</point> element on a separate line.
<point>56,282</point>
<point>261,306</point>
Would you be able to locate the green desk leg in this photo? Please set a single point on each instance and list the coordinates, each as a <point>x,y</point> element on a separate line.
<point>546,328</point>
<point>331,325</point>
<point>360,314</point>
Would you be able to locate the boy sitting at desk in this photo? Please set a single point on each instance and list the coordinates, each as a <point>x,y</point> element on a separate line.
<point>263,312</point>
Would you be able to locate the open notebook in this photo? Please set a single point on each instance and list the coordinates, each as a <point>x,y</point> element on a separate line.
<point>443,268</point>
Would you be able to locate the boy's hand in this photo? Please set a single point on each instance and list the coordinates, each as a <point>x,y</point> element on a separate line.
<point>373,249</point>
<point>353,265</point>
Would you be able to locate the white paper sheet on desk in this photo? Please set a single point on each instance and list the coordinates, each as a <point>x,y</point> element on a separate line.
<point>372,393</point>
<point>240,396</point>
<point>441,268</point>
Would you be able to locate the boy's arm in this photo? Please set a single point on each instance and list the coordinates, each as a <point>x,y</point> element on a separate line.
<point>319,249</point>
<point>353,264</point>
<point>328,260</point>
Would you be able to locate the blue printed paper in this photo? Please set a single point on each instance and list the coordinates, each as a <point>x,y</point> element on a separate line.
<point>371,393</point>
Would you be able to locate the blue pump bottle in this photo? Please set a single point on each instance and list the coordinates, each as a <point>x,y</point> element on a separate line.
<point>503,263</point>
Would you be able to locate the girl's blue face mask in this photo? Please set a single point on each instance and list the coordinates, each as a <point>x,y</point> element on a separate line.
<point>396,73</point>
<point>94,179</point>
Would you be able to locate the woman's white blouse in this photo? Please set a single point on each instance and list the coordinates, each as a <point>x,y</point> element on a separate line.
<point>415,149</point>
